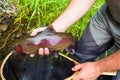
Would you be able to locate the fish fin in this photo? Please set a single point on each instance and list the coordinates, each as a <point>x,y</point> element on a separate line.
<point>70,49</point>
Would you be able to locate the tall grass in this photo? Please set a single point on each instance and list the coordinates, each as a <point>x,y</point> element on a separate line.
<point>36,13</point>
<point>44,12</point>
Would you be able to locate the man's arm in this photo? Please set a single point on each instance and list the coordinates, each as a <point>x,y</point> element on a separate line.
<point>111,62</point>
<point>91,70</point>
<point>75,10</point>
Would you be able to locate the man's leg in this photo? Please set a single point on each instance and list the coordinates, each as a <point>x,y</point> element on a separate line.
<point>96,39</point>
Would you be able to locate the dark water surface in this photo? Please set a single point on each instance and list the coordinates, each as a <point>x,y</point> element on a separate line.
<point>23,67</point>
<point>20,67</point>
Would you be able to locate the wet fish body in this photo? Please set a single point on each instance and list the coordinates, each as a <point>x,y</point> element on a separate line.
<point>53,40</point>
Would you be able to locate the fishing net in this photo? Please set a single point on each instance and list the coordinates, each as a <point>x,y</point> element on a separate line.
<point>23,67</point>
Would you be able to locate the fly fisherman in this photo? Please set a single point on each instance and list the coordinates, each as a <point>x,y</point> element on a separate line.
<point>102,32</point>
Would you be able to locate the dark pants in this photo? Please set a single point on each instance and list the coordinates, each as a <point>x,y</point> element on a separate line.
<point>100,35</point>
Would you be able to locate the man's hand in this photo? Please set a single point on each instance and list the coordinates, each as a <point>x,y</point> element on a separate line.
<point>41,51</point>
<point>87,71</point>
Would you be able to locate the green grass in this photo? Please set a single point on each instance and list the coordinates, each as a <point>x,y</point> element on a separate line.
<point>44,12</point>
<point>36,13</point>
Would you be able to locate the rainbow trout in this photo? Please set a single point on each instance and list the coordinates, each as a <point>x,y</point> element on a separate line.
<point>55,41</point>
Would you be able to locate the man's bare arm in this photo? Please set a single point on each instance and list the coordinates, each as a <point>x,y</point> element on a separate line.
<point>75,10</point>
<point>111,62</point>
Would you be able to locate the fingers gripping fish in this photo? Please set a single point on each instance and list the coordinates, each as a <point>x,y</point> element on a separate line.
<point>55,41</point>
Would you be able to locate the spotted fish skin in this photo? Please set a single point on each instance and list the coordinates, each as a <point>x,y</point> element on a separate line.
<point>53,40</point>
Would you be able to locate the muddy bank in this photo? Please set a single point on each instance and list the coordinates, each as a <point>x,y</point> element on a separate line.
<point>10,32</point>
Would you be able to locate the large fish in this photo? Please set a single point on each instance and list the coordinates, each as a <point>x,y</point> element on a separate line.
<point>55,41</point>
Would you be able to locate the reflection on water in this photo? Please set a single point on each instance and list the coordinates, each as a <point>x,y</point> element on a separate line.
<point>21,67</point>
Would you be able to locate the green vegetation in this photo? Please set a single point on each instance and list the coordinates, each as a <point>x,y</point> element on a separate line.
<point>38,13</point>
<point>43,12</point>
<point>31,14</point>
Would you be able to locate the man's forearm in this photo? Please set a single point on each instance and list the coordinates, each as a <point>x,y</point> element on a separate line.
<point>111,62</point>
<point>75,10</point>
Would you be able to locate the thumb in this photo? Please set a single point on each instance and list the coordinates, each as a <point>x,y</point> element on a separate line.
<point>77,67</point>
<point>35,31</point>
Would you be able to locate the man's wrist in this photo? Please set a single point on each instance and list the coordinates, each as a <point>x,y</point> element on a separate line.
<point>57,27</point>
<point>100,66</point>
<point>51,27</point>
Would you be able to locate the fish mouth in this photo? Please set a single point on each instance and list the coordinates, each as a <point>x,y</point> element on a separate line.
<point>16,52</point>
<point>13,51</point>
